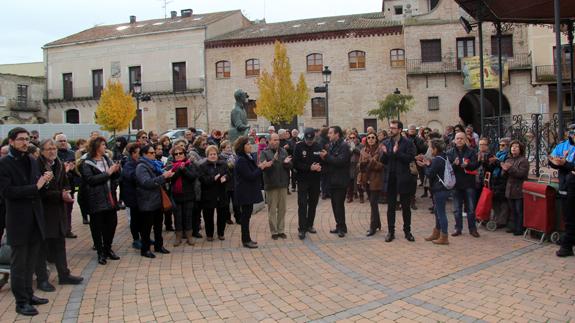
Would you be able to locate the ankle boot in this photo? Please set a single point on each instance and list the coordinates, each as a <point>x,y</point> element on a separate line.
<point>361,198</point>
<point>190,238</point>
<point>434,235</point>
<point>443,239</point>
<point>178,240</point>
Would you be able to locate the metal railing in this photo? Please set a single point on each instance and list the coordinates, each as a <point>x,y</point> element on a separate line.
<point>519,61</point>
<point>548,73</point>
<point>451,64</point>
<point>24,105</point>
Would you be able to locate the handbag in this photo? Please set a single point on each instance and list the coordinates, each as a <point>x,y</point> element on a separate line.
<point>166,201</point>
<point>485,203</point>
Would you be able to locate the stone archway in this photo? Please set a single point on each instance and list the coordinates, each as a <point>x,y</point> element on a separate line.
<point>469,107</point>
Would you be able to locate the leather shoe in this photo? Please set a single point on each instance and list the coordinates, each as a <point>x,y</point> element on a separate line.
<point>102,260</point>
<point>71,280</point>
<point>163,250</point>
<point>456,233</point>
<point>35,300</point>
<point>409,237</point>
<point>45,286</point>
<point>71,235</point>
<point>341,234</point>
<point>370,233</point>
<point>474,234</point>
<point>334,231</point>
<point>197,235</point>
<point>389,237</point>
<point>26,309</point>
<point>311,230</point>
<point>282,235</point>
<point>148,254</point>
<point>250,245</point>
<point>110,254</point>
<point>301,235</point>
<point>275,236</point>
<point>564,252</point>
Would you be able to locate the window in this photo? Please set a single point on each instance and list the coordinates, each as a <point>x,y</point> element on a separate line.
<point>223,69</point>
<point>135,73</point>
<point>252,67</point>
<point>465,48</point>
<point>431,50</point>
<point>72,116</point>
<point>398,10</point>
<point>314,62</point>
<point>179,76</point>
<point>318,107</point>
<point>397,57</point>
<point>356,59</point>
<point>369,123</point>
<point>251,110</point>
<point>97,83</point>
<point>433,103</point>
<point>22,99</point>
<point>506,46</point>
<point>181,117</point>
<point>68,86</point>
<point>137,121</point>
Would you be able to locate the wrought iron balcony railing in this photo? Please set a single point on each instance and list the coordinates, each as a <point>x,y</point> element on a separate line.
<point>24,105</point>
<point>451,64</point>
<point>548,73</point>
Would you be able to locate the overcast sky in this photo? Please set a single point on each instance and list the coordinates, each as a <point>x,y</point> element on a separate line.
<point>26,25</point>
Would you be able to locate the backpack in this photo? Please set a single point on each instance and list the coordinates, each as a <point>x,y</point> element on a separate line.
<point>448,180</point>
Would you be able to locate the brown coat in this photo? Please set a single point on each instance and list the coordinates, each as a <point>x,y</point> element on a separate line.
<point>54,206</point>
<point>516,175</point>
<point>370,169</point>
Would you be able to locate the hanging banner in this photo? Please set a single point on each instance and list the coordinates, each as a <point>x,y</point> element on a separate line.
<point>471,76</point>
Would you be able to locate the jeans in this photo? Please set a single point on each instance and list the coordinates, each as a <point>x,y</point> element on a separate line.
<point>134,214</point>
<point>516,207</point>
<point>459,195</point>
<point>439,201</point>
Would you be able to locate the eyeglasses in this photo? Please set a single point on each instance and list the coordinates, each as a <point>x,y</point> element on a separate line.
<point>143,137</point>
<point>352,138</point>
<point>502,145</point>
<point>63,140</point>
<point>370,137</point>
<point>34,137</point>
<point>179,154</point>
<point>153,152</point>
<point>22,139</point>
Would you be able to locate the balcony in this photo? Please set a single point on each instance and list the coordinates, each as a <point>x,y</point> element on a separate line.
<point>547,74</point>
<point>450,64</point>
<point>195,85</point>
<point>24,105</point>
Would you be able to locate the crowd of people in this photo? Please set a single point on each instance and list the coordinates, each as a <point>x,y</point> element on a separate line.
<point>204,181</point>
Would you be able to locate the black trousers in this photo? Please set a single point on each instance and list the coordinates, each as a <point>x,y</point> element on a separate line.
<point>183,215</point>
<point>307,198</point>
<point>103,228</point>
<point>568,239</point>
<point>404,199</point>
<point>22,265</point>
<point>135,223</point>
<point>2,219</point>
<point>220,222</point>
<point>375,219</point>
<point>54,250</point>
<point>151,219</point>
<point>236,208</point>
<point>245,216</point>
<point>168,218</point>
<point>196,218</point>
<point>338,207</point>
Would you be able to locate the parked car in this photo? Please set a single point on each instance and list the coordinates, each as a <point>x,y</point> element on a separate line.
<point>112,139</point>
<point>174,134</point>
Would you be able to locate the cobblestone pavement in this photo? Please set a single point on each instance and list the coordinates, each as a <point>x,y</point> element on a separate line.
<point>497,277</point>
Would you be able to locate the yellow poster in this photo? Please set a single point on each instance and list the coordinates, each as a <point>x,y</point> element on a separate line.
<point>470,71</point>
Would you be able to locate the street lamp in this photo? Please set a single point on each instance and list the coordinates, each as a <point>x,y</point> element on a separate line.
<point>397,92</point>
<point>326,79</point>
<point>137,93</point>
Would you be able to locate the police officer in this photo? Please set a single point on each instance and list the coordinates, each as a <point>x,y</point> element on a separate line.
<point>307,163</point>
<point>563,159</point>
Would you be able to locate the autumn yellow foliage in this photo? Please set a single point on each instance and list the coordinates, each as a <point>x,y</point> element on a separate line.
<point>116,108</point>
<point>280,100</point>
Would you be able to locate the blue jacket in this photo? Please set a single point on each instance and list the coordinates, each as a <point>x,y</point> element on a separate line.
<point>566,176</point>
<point>248,181</point>
<point>435,171</point>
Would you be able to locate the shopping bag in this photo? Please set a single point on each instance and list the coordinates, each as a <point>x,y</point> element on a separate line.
<point>484,205</point>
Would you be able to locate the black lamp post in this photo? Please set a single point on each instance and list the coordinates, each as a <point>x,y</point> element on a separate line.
<point>397,92</point>
<point>137,93</point>
<point>326,79</point>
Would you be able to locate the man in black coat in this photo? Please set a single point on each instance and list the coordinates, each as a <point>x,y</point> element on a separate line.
<point>20,185</point>
<point>307,166</point>
<point>67,156</point>
<point>398,153</point>
<point>337,159</point>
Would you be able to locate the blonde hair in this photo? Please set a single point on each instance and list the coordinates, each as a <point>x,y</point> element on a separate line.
<point>210,148</point>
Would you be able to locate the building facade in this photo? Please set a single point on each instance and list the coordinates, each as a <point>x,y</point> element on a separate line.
<point>22,89</point>
<point>166,56</point>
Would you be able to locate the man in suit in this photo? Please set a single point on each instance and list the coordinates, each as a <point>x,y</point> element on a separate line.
<point>20,184</point>
<point>398,153</point>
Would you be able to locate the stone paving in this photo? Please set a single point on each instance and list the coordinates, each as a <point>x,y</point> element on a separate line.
<point>497,277</point>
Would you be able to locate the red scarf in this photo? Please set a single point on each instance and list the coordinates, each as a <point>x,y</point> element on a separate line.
<point>178,186</point>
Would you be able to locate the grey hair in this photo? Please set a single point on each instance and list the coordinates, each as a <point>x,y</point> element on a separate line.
<point>281,132</point>
<point>44,142</point>
<point>412,126</point>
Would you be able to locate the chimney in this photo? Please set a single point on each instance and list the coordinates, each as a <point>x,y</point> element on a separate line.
<point>186,13</point>
<point>132,19</point>
<point>173,14</point>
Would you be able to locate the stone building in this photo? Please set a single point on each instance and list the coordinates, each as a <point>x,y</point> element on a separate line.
<point>165,55</point>
<point>21,93</point>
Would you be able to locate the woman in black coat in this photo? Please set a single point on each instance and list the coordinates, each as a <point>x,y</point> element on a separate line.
<point>128,192</point>
<point>183,191</point>
<point>248,185</point>
<point>100,176</point>
<point>214,177</point>
<point>150,178</point>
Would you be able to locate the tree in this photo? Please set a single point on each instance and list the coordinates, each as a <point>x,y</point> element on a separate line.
<point>280,100</point>
<point>116,108</point>
<point>392,106</point>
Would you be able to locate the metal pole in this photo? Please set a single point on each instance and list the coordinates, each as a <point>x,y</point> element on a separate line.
<point>570,36</point>
<point>138,108</point>
<point>558,68</point>
<point>481,66</point>
<point>327,103</point>
<point>500,103</point>
<point>537,144</point>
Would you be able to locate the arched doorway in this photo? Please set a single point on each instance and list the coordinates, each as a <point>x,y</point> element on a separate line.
<point>470,111</point>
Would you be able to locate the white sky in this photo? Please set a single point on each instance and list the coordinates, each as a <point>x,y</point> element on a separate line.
<point>26,25</point>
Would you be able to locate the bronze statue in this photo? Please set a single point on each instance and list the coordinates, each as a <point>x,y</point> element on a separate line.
<point>239,116</point>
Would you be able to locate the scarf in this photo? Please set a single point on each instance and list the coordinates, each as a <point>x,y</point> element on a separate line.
<point>178,187</point>
<point>501,156</point>
<point>156,165</point>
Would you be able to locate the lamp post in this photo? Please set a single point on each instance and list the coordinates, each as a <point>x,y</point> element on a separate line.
<point>326,79</point>
<point>137,93</point>
<point>397,92</point>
